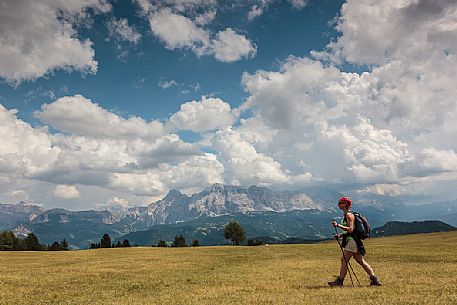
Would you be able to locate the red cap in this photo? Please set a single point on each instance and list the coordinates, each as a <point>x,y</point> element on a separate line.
<point>345,200</point>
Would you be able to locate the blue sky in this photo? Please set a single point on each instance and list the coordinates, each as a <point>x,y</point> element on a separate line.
<point>117,102</point>
<point>130,85</point>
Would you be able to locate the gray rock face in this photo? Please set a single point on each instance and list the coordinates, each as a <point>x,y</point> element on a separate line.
<point>172,208</point>
<point>12,215</point>
<point>221,199</point>
<point>64,216</point>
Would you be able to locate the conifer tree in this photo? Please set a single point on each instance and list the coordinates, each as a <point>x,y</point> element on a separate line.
<point>94,245</point>
<point>54,247</point>
<point>235,232</point>
<point>105,242</point>
<point>180,241</point>
<point>8,241</point>
<point>161,243</point>
<point>32,242</point>
<point>64,245</point>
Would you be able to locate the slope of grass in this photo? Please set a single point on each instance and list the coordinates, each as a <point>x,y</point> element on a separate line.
<point>416,269</point>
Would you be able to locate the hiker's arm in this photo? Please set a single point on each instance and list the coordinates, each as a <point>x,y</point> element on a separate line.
<point>350,220</point>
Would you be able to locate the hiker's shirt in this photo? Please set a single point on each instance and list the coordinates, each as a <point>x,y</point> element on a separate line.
<point>346,235</point>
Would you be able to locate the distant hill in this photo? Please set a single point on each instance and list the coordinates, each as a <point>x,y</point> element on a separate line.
<point>79,228</point>
<point>414,227</point>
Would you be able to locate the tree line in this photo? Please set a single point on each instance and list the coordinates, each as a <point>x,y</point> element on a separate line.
<point>232,231</point>
<point>179,241</point>
<point>105,242</point>
<point>9,242</point>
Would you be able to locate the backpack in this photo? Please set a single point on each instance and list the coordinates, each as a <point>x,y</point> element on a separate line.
<point>362,227</point>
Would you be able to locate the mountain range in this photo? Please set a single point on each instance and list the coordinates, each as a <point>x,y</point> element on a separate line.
<point>277,215</point>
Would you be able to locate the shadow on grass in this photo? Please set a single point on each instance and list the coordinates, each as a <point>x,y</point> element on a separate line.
<point>317,287</point>
<point>325,286</point>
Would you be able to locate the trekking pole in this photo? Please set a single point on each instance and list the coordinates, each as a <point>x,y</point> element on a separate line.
<point>347,263</point>
<point>344,257</point>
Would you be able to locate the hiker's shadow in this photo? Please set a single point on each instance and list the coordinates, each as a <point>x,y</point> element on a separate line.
<point>315,286</point>
<point>301,286</point>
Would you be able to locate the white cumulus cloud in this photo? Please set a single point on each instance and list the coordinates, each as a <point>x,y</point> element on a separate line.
<point>182,25</point>
<point>39,37</point>
<point>370,153</point>
<point>115,160</point>
<point>80,116</point>
<point>385,189</point>
<point>24,150</point>
<point>375,32</point>
<point>244,165</point>
<point>432,161</point>
<point>66,192</point>
<point>302,92</point>
<point>207,114</point>
<point>189,176</point>
<point>229,46</point>
<point>177,31</point>
<point>114,205</point>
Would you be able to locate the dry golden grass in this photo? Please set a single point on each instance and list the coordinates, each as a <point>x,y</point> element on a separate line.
<point>416,269</point>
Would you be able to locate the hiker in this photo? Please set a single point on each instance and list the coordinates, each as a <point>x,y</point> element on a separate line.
<point>353,246</point>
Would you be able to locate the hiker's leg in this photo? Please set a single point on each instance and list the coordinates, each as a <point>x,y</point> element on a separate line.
<point>344,267</point>
<point>362,262</point>
<point>374,279</point>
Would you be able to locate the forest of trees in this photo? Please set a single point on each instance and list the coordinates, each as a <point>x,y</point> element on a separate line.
<point>179,241</point>
<point>105,242</point>
<point>9,242</point>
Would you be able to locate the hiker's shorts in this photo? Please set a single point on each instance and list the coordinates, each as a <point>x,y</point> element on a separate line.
<point>351,246</point>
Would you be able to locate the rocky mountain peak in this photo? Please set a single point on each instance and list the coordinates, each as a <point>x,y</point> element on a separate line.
<point>173,195</point>
<point>216,187</point>
<point>12,215</point>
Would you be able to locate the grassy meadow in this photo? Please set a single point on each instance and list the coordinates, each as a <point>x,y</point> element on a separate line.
<point>415,269</point>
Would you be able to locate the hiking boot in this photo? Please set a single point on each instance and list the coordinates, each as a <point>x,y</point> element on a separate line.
<point>338,282</point>
<point>375,281</point>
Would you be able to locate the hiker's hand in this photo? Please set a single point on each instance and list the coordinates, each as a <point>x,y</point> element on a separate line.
<point>336,236</point>
<point>334,223</point>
